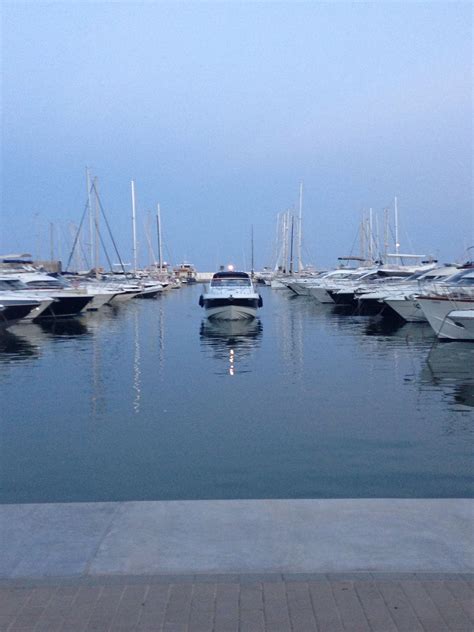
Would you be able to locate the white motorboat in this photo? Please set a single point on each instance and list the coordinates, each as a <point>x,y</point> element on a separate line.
<point>10,284</point>
<point>230,296</point>
<point>334,280</point>
<point>441,311</point>
<point>463,320</point>
<point>455,295</point>
<point>14,307</point>
<point>68,301</point>
<point>399,294</point>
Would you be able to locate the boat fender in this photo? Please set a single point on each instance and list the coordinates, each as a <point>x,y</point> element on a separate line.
<point>260,301</point>
<point>201,301</point>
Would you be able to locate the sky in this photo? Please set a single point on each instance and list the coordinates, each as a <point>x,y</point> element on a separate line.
<point>218,110</point>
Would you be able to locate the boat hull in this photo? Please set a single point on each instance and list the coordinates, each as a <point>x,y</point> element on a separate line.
<point>65,306</point>
<point>12,314</point>
<point>408,309</point>
<point>237,309</point>
<point>438,312</point>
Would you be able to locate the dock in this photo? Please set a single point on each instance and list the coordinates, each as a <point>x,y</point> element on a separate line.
<point>266,565</point>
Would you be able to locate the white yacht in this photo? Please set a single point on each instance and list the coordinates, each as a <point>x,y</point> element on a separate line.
<point>403,300</point>
<point>14,307</point>
<point>448,309</point>
<point>231,296</point>
<point>68,301</point>
<point>334,280</point>
<point>12,285</point>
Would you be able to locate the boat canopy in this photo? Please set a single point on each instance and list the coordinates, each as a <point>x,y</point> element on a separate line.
<point>227,274</point>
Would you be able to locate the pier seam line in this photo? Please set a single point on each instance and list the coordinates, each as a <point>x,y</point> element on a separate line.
<point>145,599</point>
<point>101,539</point>
<point>366,615</point>
<point>428,596</point>
<point>469,616</point>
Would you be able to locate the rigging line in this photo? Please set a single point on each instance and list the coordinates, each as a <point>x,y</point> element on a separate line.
<point>103,246</point>
<point>77,236</point>
<point>84,256</point>
<point>108,227</point>
<point>356,238</point>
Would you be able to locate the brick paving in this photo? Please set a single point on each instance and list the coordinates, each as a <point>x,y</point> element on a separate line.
<point>358,602</point>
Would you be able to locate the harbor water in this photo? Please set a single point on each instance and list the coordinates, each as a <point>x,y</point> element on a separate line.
<point>149,401</point>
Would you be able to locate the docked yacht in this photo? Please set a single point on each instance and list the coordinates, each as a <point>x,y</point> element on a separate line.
<point>449,308</point>
<point>68,301</point>
<point>230,296</point>
<point>403,299</point>
<point>12,285</point>
<point>15,307</point>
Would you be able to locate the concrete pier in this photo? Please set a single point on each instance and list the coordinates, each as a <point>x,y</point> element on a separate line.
<point>368,564</point>
<point>238,536</point>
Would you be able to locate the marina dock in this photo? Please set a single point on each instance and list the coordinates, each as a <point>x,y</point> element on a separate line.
<point>262,565</point>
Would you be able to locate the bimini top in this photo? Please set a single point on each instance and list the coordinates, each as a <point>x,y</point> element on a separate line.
<point>228,274</point>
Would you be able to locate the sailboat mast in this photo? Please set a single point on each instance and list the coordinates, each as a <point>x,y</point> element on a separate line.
<point>134,228</point>
<point>371,237</point>
<point>300,230</point>
<point>251,253</point>
<point>91,217</point>
<point>160,245</point>
<point>97,217</point>
<point>291,243</point>
<point>51,241</point>
<point>397,244</point>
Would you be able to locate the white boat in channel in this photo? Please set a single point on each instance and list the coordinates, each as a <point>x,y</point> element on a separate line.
<point>230,296</point>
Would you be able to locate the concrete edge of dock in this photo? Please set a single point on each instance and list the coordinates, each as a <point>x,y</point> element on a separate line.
<point>276,539</point>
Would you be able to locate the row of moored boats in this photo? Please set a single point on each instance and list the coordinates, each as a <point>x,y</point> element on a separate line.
<point>27,295</point>
<point>443,296</point>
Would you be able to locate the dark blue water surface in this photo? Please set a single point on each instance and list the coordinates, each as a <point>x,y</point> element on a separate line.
<point>149,401</point>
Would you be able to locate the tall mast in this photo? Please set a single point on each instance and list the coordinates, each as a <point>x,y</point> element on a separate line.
<point>160,245</point>
<point>134,228</point>
<point>97,217</point>
<point>91,218</point>
<point>51,241</point>
<point>397,244</point>
<point>371,237</point>
<point>300,230</point>
<point>291,243</point>
<point>251,253</point>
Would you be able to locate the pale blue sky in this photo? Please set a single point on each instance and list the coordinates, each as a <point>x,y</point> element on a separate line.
<point>218,110</point>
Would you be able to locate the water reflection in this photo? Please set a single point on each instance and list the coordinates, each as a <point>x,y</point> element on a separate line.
<point>450,367</point>
<point>231,341</point>
<point>64,328</point>
<point>17,347</point>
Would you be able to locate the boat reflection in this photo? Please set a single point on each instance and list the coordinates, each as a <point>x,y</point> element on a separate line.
<point>15,347</point>
<point>64,328</point>
<point>450,367</point>
<point>231,341</point>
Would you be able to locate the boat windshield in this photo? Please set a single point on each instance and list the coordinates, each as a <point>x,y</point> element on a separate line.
<point>464,277</point>
<point>230,282</point>
<point>12,284</point>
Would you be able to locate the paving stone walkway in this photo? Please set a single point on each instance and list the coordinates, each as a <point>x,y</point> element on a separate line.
<point>358,602</point>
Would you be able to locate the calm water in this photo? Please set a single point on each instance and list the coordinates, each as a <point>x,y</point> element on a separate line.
<point>148,401</point>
